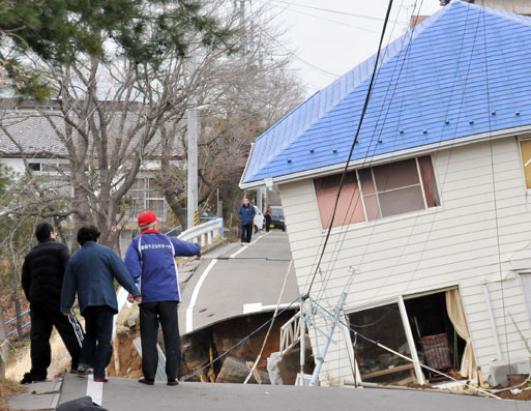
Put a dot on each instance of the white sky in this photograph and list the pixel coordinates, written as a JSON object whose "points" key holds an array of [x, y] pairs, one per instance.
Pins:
{"points": [[326, 44]]}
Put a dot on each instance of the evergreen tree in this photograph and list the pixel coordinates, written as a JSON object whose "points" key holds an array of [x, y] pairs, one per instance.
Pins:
{"points": [[60, 31]]}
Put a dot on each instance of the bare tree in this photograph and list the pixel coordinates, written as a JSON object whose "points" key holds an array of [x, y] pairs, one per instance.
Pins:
{"points": [[113, 111], [240, 96]]}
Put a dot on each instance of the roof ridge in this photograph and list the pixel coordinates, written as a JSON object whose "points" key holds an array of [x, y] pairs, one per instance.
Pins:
{"points": [[508, 15]]}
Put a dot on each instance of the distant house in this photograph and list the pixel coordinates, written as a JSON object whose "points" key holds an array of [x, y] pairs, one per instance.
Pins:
{"points": [[35, 143], [433, 226]]}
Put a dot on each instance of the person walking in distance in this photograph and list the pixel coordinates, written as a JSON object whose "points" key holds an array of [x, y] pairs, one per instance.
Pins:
{"points": [[246, 213], [42, 278], [268, 215], [150, 260], [90, 273]]}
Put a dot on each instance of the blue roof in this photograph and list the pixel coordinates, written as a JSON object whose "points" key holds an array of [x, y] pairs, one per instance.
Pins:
{"points": [[464, 71]]}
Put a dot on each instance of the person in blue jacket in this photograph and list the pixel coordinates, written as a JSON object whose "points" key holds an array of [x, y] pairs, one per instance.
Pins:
{"points": [[246, 212], [90, 273], [150, 260]]}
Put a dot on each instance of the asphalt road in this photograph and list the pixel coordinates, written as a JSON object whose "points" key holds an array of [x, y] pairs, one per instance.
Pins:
{"points": [[129, 395], [237, 280]]}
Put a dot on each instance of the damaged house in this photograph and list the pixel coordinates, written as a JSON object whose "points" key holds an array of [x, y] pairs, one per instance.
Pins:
{"points": [[431, 237]]}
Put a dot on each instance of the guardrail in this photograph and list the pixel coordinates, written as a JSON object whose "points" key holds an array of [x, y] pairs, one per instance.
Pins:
{"points": [[205, 233], [18, 327]]}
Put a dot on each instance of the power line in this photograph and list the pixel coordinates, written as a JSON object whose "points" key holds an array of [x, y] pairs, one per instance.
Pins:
{"points": [[354, 142], [339, 244], [293, 54], [332, 11], [289, 8]]}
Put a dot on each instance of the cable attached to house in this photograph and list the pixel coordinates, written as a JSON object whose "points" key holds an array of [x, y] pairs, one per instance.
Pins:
{"points": [[405, 357], [239, 343], [355, 141]]}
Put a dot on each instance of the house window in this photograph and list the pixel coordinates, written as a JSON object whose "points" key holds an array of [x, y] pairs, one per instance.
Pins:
{"points": [[525, 146], [34, 166], [386, 190], [383, 324], [349, 207], [145, 195], [398, 187]]}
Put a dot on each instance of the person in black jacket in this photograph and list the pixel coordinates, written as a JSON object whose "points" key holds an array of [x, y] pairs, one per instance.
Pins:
{"points": [[42, 281]]}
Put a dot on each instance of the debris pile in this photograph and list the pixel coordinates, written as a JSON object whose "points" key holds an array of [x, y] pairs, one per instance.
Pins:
{"points": [[215, 354], [126, 361]]}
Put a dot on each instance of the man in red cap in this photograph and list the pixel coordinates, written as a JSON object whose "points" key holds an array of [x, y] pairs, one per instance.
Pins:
{"points": [[150, 260]]}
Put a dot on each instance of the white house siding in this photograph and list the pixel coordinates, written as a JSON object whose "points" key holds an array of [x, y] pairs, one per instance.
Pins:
{"points": [[455, 244]]}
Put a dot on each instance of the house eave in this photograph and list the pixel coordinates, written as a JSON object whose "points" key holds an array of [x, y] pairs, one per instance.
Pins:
{"points": [[244, 185], [385, 158], [33, 155]]}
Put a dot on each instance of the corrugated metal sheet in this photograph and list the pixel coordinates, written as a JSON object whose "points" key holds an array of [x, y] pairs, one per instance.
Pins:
{"points": [[464, 71]]}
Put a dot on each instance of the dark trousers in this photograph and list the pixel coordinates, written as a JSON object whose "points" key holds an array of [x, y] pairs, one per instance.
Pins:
{"points": [[43, 318], [267, 222], [165, 313], [247, 232], [97, 346]]}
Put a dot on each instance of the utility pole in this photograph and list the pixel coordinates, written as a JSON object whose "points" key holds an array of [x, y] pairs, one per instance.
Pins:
{"points": [[243, 44], [192, 213]]}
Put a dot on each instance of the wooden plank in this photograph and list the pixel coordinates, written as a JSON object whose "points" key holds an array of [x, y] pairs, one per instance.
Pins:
{"points": [[387, 371]]}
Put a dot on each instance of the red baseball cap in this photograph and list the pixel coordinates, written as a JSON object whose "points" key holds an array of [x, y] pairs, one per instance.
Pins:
{"points": [[146, 219]]}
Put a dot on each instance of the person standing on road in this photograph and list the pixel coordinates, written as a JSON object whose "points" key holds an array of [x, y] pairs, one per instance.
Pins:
{"points": [[268, 215], [150, 260], [91, 273], [42, 278], [246, 213]]}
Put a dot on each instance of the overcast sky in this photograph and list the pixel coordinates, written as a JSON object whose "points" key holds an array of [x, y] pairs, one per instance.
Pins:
{"points": [[329, 37]]}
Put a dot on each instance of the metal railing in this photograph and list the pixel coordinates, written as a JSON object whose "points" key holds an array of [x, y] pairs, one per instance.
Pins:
{"points": [[205, 233], [16, 327], [290, 333]]}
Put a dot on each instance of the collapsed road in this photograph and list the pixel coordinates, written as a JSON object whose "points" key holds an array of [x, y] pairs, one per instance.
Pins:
{"points": [[238, 280], [226, 295]]}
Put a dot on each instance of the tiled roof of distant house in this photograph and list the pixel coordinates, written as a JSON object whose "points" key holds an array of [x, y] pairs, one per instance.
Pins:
{"points": [[31, 134]]}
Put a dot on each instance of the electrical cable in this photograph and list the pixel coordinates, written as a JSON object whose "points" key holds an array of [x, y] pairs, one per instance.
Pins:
{"points": [[449, 104], [364, 110], [345, 230], [439, 185], [293, 54], [494, 195], [277, 306], [321, 18], [199, 370], [400, 355], [333, 11]]}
